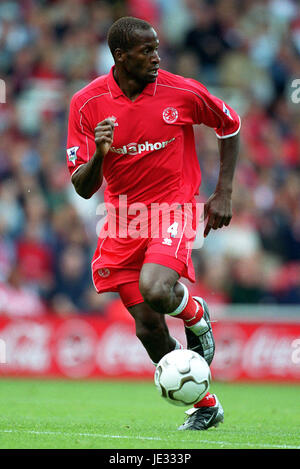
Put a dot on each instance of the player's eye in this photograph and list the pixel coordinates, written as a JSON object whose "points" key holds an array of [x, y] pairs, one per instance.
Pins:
{"points": [[150, 50]]}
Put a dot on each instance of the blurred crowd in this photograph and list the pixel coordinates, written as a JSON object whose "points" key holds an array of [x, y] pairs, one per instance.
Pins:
{"points": [[246, 52]]}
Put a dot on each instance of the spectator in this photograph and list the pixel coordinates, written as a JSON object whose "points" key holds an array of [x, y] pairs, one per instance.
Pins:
{"points": [[17, 300], [72, 281]]}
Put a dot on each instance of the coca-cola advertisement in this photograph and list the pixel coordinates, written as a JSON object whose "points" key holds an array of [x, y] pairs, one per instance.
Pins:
{"points": [[258, 351], [93, 347]]}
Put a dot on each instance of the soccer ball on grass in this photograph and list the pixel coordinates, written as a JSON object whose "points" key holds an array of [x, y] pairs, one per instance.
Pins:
{"points": [[182, 377]]}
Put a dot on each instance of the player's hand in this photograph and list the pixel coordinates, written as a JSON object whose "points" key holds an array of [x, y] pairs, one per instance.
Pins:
{"points": [[104, 135], [217, 211]]}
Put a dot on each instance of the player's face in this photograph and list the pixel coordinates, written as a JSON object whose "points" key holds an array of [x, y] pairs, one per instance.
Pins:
{"points": [[142, 60]]}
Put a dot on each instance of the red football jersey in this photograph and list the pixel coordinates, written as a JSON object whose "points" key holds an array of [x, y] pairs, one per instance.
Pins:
{"points": [[153, 156]]}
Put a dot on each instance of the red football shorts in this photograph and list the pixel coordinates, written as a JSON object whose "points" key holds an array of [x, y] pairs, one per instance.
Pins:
{"points": [[166, 240]]}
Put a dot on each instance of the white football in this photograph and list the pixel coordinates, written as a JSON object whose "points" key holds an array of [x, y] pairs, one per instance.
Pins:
{"points": [[182, 377]]}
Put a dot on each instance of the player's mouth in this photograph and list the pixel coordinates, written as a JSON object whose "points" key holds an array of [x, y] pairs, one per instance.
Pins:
{"points": [[154, 71]]}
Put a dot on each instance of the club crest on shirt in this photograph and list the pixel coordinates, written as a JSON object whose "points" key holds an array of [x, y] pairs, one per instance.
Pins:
{"points": [[104, 272], [170, 115], [72, 154]]}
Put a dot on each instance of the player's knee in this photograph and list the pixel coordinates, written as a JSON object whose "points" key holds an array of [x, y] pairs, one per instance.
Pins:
{"points": [[155, 293]]}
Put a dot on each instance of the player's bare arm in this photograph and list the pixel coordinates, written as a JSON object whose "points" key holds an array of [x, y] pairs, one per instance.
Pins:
{"points": [[218, 208], [89, 177]]}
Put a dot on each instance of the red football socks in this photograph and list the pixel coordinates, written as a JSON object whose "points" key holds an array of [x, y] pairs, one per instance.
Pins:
{"points": [[189, 310], [208, 400]]}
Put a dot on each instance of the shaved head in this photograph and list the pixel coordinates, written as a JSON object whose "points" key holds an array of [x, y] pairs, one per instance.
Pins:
{"points": [[123, 33]]}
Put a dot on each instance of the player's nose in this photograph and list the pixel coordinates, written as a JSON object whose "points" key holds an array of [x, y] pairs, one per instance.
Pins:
{"points": [[155, 58]]}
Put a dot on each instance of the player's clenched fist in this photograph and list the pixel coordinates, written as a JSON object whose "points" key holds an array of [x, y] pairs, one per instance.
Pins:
{"points": [[104, 135]]}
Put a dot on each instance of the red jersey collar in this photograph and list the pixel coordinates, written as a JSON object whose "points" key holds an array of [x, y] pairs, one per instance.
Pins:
{"points": [[116, 91]]}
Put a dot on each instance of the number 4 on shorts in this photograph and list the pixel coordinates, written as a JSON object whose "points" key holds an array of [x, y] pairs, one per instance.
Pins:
{"points": [[173, 229]]}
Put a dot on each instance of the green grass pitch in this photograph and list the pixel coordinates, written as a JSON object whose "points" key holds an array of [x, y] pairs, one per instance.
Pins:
{"points": [[119, 415]]}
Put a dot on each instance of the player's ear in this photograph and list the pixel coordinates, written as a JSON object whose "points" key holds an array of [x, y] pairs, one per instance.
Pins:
{"points": [[119, 55]]}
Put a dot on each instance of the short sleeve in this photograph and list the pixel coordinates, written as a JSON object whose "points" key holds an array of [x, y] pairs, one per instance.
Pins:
{"points": [[80, 143], [215, 113]]}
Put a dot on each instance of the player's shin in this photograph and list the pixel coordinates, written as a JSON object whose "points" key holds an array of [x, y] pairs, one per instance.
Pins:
{"points": [[178, 346]]}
